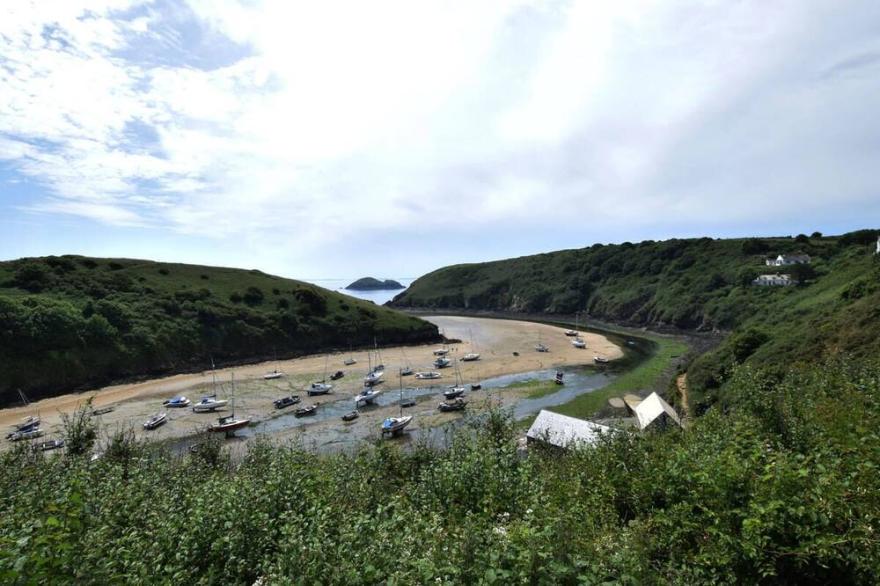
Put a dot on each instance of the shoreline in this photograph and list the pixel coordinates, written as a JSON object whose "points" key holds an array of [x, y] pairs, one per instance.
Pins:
{"points": [[496, 341]]}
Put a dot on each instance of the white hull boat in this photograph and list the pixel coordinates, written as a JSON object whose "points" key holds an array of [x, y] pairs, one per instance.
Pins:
{"points": [[395, 425], [470, 357], [209, 404], [156, 420], [427, 375]]}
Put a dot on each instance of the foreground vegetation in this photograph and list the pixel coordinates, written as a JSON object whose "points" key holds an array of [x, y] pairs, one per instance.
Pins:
{"points": [[698, 284], [782, 487], [69, 322]]}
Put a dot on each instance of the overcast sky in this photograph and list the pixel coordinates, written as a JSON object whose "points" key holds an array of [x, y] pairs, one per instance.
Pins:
{"points": [[341, 139]]}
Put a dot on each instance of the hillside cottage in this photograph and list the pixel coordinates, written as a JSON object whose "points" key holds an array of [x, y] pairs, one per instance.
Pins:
{"points": [[562, 431], [654, 412], [788, 259], [776, 280]]}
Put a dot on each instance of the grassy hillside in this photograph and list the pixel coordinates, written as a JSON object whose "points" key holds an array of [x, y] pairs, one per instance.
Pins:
{"points": [[782, 489], [70, 322], [699, 284]]}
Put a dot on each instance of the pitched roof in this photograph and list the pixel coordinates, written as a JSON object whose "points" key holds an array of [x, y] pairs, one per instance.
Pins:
{"points": [[563, 431], [652, 408]]}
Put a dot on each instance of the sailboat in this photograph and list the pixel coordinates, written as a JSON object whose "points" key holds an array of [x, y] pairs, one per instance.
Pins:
{"points": [[457, 389], [322, 387], [394, 426], [30, 422], [374, 376], [350, 360], [230, 423], [275, 374], [578, 342], [210, 403], [472, 355], [407, 369]]}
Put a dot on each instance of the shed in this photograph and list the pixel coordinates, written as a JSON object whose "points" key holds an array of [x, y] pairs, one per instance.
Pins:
{"points": [[654, 411], [563, 431]]}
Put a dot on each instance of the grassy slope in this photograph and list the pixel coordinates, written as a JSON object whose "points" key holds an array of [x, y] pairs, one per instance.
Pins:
{"points": [[689, 284], [68, 322], [780, 490]]}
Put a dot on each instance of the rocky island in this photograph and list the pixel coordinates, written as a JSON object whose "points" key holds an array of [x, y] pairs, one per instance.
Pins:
{"points": [[371, 284]]}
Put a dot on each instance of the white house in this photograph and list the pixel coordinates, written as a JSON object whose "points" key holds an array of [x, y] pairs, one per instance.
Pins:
{"points": [[788, 259], [563, 431], [776, 280], [654, 411], [877, 251]]}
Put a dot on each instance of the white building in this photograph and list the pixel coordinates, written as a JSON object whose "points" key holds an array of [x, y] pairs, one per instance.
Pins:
{"points": [[776, 280], [563, 431], [654, 411], [788, 259]]}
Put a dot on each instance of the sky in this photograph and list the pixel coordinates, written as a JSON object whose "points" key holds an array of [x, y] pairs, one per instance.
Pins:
{"points": [[390, 138]]}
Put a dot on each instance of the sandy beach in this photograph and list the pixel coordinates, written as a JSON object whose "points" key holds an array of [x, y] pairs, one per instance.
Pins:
{"points": [[495, 340]]}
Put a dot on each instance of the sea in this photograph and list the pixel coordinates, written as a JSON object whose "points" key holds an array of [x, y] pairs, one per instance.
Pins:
{"points": [[377, 297]]}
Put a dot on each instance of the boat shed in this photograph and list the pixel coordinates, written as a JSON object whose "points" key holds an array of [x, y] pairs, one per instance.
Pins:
{"points": [[563, 431], [655, 412]]}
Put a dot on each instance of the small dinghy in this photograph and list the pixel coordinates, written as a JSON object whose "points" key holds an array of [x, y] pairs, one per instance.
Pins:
{"points": [[286, 402], [156, 420], [441, 351], [570, 333], [176, 402], [457, 405], [442, 362], [305, 411], [559, 375], [427, 375], [349, 361], [351, 415], [406, 371], [102, 411], [52, 444], [209, 404], [541, 348], [337, 375], [394, 425], [453, 393], [600, 360], [476, 386], [579, 343], [470, 357], [275, 374]]}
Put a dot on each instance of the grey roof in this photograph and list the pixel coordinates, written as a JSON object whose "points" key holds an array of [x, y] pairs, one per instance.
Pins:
{"points": [[563, 431]]}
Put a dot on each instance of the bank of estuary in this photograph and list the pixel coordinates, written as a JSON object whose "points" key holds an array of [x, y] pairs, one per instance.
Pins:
{"points": [[506, 351]]}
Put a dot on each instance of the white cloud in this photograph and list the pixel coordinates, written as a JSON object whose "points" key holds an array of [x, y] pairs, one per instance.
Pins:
{"points": [[298, 124]]}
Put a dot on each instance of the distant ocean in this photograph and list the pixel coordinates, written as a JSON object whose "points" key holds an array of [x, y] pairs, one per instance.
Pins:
{"points": [[377, 297]]}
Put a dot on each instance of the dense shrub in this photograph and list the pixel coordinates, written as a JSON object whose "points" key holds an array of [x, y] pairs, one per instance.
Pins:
{"points": [[782, 489]]}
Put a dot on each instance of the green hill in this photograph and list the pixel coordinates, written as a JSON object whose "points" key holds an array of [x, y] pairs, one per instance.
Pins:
{"points": [[697, 284], [72, 322]]}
